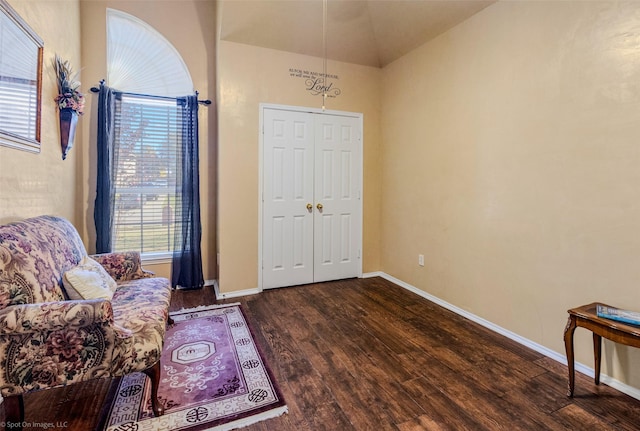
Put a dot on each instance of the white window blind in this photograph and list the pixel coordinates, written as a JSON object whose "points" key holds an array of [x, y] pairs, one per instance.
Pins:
{"points": [[18, 106], [141, 60], [18, 80], [147, 153]]}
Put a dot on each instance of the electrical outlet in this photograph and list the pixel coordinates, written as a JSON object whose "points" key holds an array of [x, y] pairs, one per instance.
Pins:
{"points": [[421, 259]]}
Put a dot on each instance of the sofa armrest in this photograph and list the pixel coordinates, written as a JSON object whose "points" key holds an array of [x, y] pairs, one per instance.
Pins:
{"points": [[51, 344], [53, 316], [123, 266]]}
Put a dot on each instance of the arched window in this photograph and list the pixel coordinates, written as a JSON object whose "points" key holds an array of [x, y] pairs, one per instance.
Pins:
{"points": [[141, 60], [151, 81]]}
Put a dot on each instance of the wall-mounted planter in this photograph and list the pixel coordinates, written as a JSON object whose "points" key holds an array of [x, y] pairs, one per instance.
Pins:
{"points": [[68, 122], [70, 102]]}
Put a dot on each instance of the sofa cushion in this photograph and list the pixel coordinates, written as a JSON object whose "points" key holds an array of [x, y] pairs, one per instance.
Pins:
{"points": [[88, 280], [140, 306], [34, 254], [122, 266]]}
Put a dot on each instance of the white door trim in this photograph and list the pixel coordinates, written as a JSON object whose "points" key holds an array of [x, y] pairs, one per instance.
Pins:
{"points": [[262, 107]]}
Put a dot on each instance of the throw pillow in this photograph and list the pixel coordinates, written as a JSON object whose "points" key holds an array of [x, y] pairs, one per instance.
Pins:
{"points": [[88, 280]]}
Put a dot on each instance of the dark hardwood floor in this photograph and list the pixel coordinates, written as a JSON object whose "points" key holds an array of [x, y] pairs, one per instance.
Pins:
{"points": [[369, 355]]}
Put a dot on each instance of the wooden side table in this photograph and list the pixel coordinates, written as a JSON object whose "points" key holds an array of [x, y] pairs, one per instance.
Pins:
{"points": [[613, 330]]}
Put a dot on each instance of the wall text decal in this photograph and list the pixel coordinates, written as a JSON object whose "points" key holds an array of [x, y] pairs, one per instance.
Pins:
{"points": [[315, 82]]}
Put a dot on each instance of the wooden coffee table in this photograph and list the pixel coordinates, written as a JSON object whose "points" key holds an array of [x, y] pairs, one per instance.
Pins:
{"points": [[613, 330]]}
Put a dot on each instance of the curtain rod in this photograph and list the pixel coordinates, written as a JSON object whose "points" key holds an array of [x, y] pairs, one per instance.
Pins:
{"points": [[151, 96]]}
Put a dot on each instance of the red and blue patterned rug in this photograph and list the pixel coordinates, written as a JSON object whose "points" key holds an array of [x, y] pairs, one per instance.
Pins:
{"points": [[213, 378]]}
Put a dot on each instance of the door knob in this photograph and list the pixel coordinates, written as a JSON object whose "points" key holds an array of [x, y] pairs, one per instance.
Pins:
{"points": [[319, 206], [309, 207]]}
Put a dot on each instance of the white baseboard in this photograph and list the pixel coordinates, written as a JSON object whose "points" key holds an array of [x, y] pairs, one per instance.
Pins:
{"points": [[235, 294], [622, 387]]}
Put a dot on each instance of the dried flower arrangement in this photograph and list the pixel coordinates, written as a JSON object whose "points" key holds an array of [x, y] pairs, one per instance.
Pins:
{"points": [[69, 95]]}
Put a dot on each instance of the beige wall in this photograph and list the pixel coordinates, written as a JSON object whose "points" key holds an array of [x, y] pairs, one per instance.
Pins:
{"points": [[249, 76], [189, 25], [35, 184], [511, 161], [505, 151]]}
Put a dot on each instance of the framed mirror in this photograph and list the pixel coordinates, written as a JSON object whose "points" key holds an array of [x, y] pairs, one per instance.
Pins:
{"points": [[20, 82]]}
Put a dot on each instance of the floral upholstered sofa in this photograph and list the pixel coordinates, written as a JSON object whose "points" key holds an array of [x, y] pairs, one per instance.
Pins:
{"points": [[48, 339]]}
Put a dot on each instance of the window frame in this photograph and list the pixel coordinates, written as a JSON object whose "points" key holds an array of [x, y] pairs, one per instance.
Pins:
{"points": [[8, 138]]}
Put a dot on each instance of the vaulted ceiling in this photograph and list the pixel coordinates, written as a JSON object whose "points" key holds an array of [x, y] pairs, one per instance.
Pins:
{"points": [[368, 32]]}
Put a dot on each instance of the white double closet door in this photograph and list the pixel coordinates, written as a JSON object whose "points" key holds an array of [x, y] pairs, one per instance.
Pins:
{"points": [[311, 197]]}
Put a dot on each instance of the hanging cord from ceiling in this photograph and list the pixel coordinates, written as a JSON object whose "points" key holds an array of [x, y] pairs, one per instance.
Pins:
{"points": [[324, 49]]}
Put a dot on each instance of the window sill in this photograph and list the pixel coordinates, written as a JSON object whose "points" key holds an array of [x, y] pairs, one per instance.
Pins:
{"points": [[156, 258]]}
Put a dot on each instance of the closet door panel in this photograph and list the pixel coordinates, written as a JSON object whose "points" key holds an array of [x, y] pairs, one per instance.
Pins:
{"points": [[287, 240], [337, 192]]}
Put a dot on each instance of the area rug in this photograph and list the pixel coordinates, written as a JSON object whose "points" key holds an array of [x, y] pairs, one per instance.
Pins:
{"points": [[213, 378]]}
